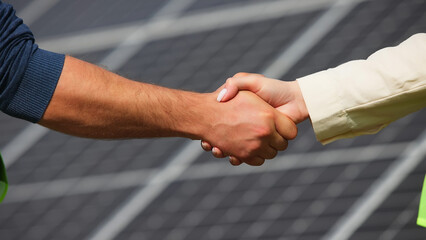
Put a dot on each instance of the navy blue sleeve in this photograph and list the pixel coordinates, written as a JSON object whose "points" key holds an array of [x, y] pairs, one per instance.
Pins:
{"points": [[28, 75]]}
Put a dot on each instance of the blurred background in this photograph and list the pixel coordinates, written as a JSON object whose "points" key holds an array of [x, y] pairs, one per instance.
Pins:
{"points": [[64, 187]]}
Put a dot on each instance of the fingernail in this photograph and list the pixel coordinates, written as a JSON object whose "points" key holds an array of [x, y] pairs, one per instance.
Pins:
{"points": [[232, 161], [215, 150], [204, 145], [221, 94]]}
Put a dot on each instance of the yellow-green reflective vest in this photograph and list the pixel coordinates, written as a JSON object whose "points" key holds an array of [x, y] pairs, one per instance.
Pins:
{"points": [[421, 219], [3, 180]]}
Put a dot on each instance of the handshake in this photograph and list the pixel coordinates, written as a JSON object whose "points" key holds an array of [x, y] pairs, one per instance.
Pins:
{"points": [[260, 117], [251, 117]]}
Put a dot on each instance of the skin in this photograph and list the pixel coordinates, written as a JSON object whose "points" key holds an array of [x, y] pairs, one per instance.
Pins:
{"points": [[92, 102], [284, 96]]}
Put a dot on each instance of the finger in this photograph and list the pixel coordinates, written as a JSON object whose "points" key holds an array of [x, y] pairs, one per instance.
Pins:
{"points": [[245, 74], [235, 84], [278, 142], [285, 127], [267, 152], [206, 146], [218, 153], [241, 74], [255, 161], [235, 161]]}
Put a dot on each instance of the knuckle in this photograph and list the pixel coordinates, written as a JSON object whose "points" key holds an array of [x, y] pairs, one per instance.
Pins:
{"points": [[271, 155], [252, 80], [244, 156], [282, 144], [256, 162], [264, 131], [269, 114], [256, 145], [230, 81], [241, 74], [257, 75]]}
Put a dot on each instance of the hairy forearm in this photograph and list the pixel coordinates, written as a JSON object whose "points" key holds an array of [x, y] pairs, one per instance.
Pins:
{"points": [[92, 102]]}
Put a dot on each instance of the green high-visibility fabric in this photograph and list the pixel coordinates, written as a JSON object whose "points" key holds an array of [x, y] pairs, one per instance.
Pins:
{"points": [[421, 219], [3, 180]]}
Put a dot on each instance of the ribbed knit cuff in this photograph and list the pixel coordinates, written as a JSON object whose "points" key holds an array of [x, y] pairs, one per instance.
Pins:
{"points": [[37, 86]]}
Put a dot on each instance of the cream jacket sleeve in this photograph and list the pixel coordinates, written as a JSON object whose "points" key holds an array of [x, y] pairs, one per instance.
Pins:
{"points": [[364, 96]]}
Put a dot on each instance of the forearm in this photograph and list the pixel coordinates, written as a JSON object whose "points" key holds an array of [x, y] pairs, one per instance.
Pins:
{"points": [[92, 102], [361, 97]]}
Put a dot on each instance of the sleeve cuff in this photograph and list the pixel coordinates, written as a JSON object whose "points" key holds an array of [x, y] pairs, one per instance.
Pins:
{"points": [[322, 97], [37, 86]]}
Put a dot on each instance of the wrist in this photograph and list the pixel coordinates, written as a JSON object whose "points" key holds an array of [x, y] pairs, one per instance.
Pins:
{"points": [[194, 121], [300, 101]]}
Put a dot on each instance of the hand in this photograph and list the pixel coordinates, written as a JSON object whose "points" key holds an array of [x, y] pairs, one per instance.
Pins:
{"points": [[286, 97], [248, 128]]}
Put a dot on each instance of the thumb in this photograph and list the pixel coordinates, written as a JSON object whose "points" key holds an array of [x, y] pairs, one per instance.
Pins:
{"points": [[235, 84], [228, 92]]}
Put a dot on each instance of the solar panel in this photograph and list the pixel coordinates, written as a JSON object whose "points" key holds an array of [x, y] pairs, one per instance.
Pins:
{"points": [[65, 187]]}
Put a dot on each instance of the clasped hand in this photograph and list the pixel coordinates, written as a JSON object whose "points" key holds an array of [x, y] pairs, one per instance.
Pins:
{"points": [[262, 127]]}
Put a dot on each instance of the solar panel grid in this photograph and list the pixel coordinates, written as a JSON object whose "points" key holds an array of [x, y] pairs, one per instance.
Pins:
{"points": [[9, 128], [298, 197], [403, 225], [215, 55], [403, 130], [17, 4], [94, 57], [68, 217], [78, 157], [406, 129], [209, 4], [295, 203], [369, 27], [37, 157], [396, 217], [48, 159], [361, 184], [82, 15]]}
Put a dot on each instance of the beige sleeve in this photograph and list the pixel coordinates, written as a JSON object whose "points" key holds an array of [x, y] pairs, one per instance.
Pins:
{"points": [[363, 96]]}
